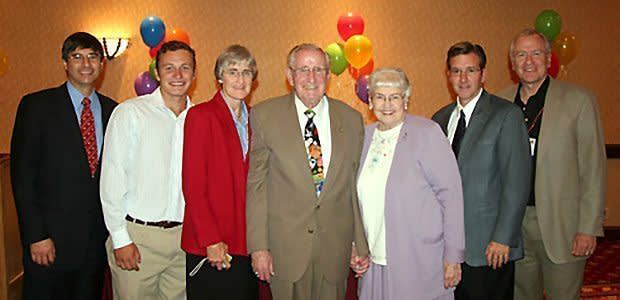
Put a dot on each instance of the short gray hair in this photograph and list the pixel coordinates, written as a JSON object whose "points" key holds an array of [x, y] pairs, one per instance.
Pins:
{"points": [[528, 32], [290, 59], [389, 77], [234, 55]]}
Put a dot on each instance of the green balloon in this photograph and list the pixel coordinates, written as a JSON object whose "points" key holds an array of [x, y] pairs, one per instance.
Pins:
{"points": [[337, 62], [549, 23], [152, 67]]}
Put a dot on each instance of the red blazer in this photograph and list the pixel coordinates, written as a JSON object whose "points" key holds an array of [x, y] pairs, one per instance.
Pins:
{"points": [[214, 180]]}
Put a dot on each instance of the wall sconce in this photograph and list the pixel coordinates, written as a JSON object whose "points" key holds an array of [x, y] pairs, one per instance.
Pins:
{"points": [[113, 47]]}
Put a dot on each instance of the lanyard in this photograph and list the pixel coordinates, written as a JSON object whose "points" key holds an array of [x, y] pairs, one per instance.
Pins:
{"points": [[535, 120]]}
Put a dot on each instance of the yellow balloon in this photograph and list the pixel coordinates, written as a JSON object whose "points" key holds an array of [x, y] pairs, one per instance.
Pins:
{"points": [[566, 47], [4, 62], [358, 50]]}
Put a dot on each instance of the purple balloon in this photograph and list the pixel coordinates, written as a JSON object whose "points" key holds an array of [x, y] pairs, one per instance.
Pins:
{"points": [[361, 88], [144, 84]]}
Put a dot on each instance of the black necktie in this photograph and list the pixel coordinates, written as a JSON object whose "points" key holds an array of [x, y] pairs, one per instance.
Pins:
{"points": [[458, 134]]}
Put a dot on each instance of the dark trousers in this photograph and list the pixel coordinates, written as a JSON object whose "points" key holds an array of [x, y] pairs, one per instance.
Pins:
{"points": [[484, 283], [41, 283], [238, 282]]}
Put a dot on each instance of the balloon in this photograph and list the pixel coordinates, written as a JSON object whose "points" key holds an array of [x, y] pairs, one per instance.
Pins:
{"points": [[549, 23], [361, 88], [152, 71], [365, 70], [349, 25], [4, 63], [566, 47], [144, 84], [152, 30], [177, 34], [554, 68], [153, 51], [337, 62], [358, 51]]}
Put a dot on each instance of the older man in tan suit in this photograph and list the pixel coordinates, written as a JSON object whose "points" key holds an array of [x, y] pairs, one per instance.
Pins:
{"points": [[565, 211], [302, 211]]}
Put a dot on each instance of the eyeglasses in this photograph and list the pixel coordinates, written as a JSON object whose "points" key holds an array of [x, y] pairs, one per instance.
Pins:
{"points": [[246, 74], [305, 71], [384, 98], [78, 57], [521, 55], [470, 71]]}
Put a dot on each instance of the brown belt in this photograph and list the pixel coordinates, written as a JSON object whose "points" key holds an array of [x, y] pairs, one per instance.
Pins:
{"points": [[162, 224]]}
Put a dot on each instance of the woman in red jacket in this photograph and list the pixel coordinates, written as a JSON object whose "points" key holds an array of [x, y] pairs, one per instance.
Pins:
{"points": [[215, 167]]}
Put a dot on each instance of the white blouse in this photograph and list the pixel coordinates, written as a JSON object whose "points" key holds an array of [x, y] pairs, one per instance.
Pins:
{"points": [[371, 189]]}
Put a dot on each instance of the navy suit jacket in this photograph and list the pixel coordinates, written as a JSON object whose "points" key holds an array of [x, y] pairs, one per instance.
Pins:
{"points": [[55, 195]]}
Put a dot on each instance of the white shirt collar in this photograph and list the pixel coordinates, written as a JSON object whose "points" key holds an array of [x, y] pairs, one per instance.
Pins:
{"points": [[468, 109], [319, 109], [158, 100]]}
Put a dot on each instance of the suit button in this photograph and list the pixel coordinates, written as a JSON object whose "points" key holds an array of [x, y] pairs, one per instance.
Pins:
{"points": [[310, 230], [318, 206]]}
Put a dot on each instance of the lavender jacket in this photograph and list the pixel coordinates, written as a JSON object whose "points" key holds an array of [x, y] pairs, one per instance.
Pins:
{"points": [[423, 210]]}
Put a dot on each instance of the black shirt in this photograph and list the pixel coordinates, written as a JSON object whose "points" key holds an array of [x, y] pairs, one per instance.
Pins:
{"points": [[532, 116]]}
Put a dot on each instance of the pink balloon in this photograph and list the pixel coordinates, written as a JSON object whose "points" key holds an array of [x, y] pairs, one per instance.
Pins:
{"points": [[350, 24], [365, 70]]}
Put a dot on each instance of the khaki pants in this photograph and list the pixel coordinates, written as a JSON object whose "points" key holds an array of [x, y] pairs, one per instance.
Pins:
{"points": [[162, 268], [311, 286], [536, 272]]}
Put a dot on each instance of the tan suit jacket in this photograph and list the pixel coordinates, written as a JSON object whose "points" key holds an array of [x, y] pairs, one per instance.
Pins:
{"points": [[284, 214], [571, 168]]}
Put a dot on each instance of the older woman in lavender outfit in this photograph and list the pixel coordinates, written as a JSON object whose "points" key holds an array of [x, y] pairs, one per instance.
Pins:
{"points": [[411, 200]]}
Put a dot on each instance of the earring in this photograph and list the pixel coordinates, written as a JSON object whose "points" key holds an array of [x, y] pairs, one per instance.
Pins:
{"points": [[220, 81]]}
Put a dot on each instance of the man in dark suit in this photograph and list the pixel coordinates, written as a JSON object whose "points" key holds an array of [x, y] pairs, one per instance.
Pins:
{"points": [[55, 149], [491, 145]]}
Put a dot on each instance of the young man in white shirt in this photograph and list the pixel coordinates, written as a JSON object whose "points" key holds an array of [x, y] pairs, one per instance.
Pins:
{"points": [[141, 191]]}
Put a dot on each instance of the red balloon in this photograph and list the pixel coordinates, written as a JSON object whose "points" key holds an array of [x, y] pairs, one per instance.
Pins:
{"points": [[350, 24], [365, 70], [153, 51], [554, 68], [177, 34]]}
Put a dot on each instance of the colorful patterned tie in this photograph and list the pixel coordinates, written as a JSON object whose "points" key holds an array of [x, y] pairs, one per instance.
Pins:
{"points": [[315, 157], [87, 127]]}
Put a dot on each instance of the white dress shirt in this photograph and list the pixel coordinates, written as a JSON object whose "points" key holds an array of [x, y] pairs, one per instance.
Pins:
{"points": [[467, 110], [141, 165], [371, 186], [321, 121]]}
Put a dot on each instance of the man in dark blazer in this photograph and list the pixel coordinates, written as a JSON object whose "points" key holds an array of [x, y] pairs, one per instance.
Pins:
{"points": [[55, 178], [491, 145]]}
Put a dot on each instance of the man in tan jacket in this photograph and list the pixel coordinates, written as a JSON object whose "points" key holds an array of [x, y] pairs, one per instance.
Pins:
{"points": [[302, 211], [565, 211]]}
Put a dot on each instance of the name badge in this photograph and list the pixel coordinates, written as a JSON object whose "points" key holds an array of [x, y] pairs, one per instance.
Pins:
{"points": [[532, 146]]}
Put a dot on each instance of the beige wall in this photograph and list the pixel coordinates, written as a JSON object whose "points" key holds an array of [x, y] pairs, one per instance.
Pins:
{"points": [[612, 206], [411, 34]]}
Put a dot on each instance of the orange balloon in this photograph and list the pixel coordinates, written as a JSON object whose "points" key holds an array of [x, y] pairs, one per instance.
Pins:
{"points": [[358, 50], [4, 62], [566, 47], [177, 34]]}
